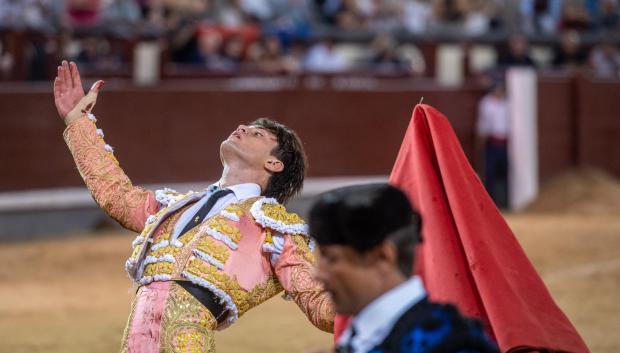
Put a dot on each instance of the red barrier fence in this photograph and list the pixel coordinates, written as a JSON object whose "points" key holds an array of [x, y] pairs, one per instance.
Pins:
{"points": [[350, 126]]}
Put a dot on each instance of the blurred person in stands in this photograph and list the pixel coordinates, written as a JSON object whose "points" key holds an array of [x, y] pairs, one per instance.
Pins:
{"points": [[605, 60], [367, 237], [271, 58], [41, 15], [83, 13], [384, 57], [610, 16], [493, 127], [540, 16], [38, 15], [416, 15], [380, 15], [477, 17], [446, 17], [328, 11], [517, 53], [323, 58], [234, 52], [96, 53], [575, 16], [569, 54], [210, 50], [122, 17], [202, 259], [293, 58]]}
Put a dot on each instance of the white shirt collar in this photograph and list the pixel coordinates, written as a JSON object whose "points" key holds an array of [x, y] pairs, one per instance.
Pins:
{"points": [[245, 191], [241, 191], [375, 321]]}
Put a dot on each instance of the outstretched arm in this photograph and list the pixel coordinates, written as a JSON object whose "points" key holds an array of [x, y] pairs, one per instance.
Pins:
{"points": [[108, 184], [295, 271]]}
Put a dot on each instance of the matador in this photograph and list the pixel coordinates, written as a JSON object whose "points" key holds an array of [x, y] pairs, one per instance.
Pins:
{"points": [[202, 259]]}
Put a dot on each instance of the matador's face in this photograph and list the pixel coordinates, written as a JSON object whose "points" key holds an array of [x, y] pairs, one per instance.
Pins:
{"points": [[252, 146]]}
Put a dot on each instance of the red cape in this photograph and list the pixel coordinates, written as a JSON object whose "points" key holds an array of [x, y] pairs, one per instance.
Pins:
{"points": [[469, 256]]}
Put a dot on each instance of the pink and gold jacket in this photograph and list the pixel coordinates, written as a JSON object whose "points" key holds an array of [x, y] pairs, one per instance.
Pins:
{"points": [[248, 253]]}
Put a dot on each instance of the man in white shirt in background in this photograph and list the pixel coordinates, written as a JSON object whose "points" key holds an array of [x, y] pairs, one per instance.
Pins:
{"points": [[367, 236], [493, 128]]}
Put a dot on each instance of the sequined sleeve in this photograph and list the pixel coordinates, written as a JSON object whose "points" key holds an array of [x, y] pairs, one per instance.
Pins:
{"points": [[108, 184], [294, 269]]}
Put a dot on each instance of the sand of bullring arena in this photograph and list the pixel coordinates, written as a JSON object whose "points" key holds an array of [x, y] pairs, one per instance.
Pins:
{"points": [[72, 295]]}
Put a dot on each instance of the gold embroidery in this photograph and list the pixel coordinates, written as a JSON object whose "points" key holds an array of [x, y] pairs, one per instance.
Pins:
{"points": [[302, 249], [220, 224], [268, 237], [159, 268], [263, 292], [312, 299], [108, 184], [279, 213], [235, 209], [172, 250], [217, 250], [186, 325], [201, 269], [243, 299]]}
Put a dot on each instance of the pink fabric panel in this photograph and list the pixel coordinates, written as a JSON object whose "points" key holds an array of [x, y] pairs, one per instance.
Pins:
{"points": [[146, 324], [248, 265]]}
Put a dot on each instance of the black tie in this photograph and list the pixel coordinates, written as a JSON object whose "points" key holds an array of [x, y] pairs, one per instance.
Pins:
{"points": [[204, 210]]}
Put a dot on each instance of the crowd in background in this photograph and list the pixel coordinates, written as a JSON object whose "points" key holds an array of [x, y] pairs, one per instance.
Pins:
{"points": [[281, 36]]}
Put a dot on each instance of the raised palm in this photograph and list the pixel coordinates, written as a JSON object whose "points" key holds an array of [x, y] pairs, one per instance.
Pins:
{"points": [[68, 89]]}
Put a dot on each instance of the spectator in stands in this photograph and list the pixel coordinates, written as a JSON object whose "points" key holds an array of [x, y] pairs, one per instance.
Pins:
{"points": [[42, 15], [96, 54], [446, 17], [322, 57], [575, 16], [381, 15], [416, 15], [6, 61], [517, 53], [610, 16], [233, 53], [569, 54], [292, 62], [477, 16], [540, 16], [83, 13], [210, 50], [328, 11], [384, 57], [271, 59], [493, 127], [605, 60], [121, 16], [350, 16]]}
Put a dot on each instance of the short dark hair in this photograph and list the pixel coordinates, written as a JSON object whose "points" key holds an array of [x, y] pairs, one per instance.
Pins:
{"points": [[290, 151], [364, 216]]}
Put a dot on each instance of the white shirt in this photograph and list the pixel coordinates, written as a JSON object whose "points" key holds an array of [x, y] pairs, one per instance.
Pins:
{"points": [[376, 320], [240, 192], [493, 117]]}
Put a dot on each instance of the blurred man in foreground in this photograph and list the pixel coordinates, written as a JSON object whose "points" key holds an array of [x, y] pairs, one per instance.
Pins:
{"points": [[367, 236], [204, 258]]}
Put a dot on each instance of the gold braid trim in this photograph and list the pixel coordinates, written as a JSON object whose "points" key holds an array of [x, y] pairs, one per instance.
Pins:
{"points": [[186, 325], [309, 293], [244, 300], [108, 184]]}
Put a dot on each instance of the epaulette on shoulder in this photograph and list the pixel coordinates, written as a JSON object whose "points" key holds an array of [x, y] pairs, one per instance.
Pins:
{"points": [[269, 213], [168, 196]]}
